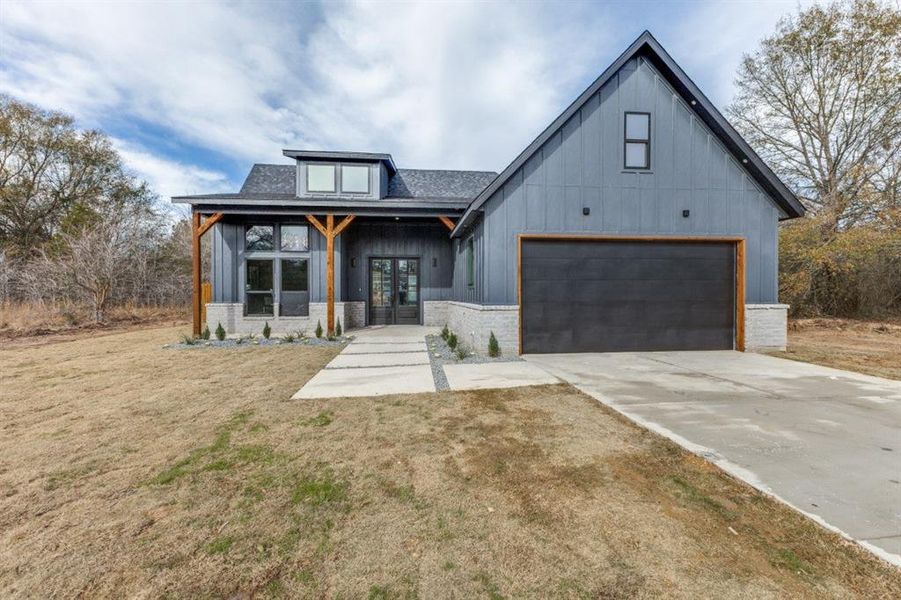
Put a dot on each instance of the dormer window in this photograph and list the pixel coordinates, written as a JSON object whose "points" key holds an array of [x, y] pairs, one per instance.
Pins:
{"points": [[355, 179], [637, 150], [320, 178]]}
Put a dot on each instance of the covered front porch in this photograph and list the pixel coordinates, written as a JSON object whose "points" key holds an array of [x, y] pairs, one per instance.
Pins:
{"points": [[295, 270]]}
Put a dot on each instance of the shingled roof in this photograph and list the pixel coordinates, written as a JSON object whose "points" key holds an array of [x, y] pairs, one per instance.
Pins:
{"points": [[406, 183], [423, 183]]}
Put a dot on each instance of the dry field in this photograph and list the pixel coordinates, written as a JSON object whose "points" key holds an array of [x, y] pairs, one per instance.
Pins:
{"points": [[130, 470], [867, 347]]}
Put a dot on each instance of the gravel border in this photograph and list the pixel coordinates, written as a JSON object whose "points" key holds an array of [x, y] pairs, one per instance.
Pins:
{"points": [[250, 341], [440, 354]]}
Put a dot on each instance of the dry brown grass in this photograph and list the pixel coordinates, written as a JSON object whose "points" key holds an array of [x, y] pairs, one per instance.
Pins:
{"points": [[25, 320], [130, 470], [871, 347]]}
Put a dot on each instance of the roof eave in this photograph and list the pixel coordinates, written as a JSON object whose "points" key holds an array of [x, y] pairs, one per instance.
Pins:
{"points": [[354, 156]]}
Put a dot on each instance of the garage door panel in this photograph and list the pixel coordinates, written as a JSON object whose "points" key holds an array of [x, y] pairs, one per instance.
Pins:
{"points": [[595, 296]]}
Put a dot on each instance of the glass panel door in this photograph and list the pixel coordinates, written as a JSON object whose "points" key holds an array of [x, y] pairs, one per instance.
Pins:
{"points": [[407, 291], [381, 291]]}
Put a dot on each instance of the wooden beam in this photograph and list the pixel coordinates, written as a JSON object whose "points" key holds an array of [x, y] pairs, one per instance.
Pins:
{"points": [[447, 223], [195, 269], [740, 295], [212, 220], [318, 225], [343, 224], [330, 273]]}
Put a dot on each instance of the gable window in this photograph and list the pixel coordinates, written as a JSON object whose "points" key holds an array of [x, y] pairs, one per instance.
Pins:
{"points": [[637, 149], [470, 263], [355, 179], [320, 178], [295, 238], [259, 238]]}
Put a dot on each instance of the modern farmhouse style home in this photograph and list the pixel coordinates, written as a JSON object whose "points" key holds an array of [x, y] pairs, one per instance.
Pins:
{"points": [[638, 220]]}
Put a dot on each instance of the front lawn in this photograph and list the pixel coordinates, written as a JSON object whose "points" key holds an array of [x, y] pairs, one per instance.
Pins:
{"points": [[130, 470]]}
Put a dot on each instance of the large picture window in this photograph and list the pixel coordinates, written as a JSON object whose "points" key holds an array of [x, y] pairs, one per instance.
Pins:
{"points": [[259, 287], [638, 140], [295, 294], [320, 178], [355, 179]]}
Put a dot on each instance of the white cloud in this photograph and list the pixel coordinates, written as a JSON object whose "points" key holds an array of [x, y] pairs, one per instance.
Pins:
{"points": [[437, 84], [170, 178]]}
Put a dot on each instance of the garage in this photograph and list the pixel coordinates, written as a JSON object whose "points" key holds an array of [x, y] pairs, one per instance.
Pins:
{"points": [[603, 294]]}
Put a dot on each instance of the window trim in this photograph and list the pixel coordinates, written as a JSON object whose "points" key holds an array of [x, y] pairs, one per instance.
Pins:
{"points": [[334, 167], [368, 178], [470, 258], [627, 140]]}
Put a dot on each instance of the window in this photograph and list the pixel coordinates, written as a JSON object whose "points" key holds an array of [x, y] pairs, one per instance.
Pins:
{"points": [[258, 287], [320, 178], [638, 140], [295, 238], [259, 238], [470, 263], [355, 179], [294, 300]]}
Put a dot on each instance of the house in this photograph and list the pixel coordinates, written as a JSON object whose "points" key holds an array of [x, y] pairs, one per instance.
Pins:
{"points": [[638, 220]]}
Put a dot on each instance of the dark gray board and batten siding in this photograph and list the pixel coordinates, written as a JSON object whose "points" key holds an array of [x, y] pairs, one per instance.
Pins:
{"points": [[581, 165]]}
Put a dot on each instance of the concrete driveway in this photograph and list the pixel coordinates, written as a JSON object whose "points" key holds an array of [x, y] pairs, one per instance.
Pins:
{"points": [[826, 441]]}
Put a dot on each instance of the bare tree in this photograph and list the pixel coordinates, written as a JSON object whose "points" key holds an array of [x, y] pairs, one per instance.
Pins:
{"points": [[821, 101]]}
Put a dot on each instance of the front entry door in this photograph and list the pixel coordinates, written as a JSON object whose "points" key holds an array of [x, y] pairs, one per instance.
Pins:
{"points": [[394, 291]]}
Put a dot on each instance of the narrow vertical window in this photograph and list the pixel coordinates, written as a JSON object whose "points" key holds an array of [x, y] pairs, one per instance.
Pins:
{"points": [[637, 146], [470, 263], [258, 287]]}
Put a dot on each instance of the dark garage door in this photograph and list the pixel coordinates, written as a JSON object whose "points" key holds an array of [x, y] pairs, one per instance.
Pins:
{"points": [[619, 296]]}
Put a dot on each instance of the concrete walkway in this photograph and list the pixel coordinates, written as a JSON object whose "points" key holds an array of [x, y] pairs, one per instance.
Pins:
{"points": [[826, 441], [379, 361]]}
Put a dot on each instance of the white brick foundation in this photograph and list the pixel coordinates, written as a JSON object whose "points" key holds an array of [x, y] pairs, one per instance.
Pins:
{"points": [[231, 315], [435, 313], [473, 324], [766, 326]]}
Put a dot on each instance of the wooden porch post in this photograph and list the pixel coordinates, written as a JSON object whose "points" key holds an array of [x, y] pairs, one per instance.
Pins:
{"points": [[330, 232], [195, 269], [197, 231]]}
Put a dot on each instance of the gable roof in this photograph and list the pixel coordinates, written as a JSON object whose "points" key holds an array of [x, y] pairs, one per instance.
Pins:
{"points": [[648, 47], [271, 179], [418, 183]]}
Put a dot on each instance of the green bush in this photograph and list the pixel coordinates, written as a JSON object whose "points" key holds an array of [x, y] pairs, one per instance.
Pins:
{"points": [[220, 332], [338, 327], [494, 350], [318, 329], [188, 340], [205, 334], [444, 333], [267, 331], [452, 340], [461, 353], [289, 338]]}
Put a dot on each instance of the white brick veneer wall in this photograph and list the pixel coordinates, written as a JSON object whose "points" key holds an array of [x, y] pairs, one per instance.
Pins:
{"points": [[473, 324], [766, 326], [435, 313], [231, 315]]}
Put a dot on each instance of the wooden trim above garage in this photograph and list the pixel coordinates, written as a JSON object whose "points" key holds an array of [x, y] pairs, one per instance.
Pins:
{"points": [[579, 237]]}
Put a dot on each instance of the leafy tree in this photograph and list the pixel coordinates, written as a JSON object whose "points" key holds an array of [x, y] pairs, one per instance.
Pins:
{"points": [[820, 100]]}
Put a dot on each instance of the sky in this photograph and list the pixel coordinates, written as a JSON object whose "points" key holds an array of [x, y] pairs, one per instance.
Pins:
{"points": [[193, 93]]}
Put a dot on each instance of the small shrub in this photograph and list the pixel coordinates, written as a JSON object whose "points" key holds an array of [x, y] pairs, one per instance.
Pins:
{"points": [[452, 340], [318, 329], [494, 350], [444, 333], [220, 332], [188, 340], [288, 338], [267, 331], [205, 334], [461, 353], [338, 327]]}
